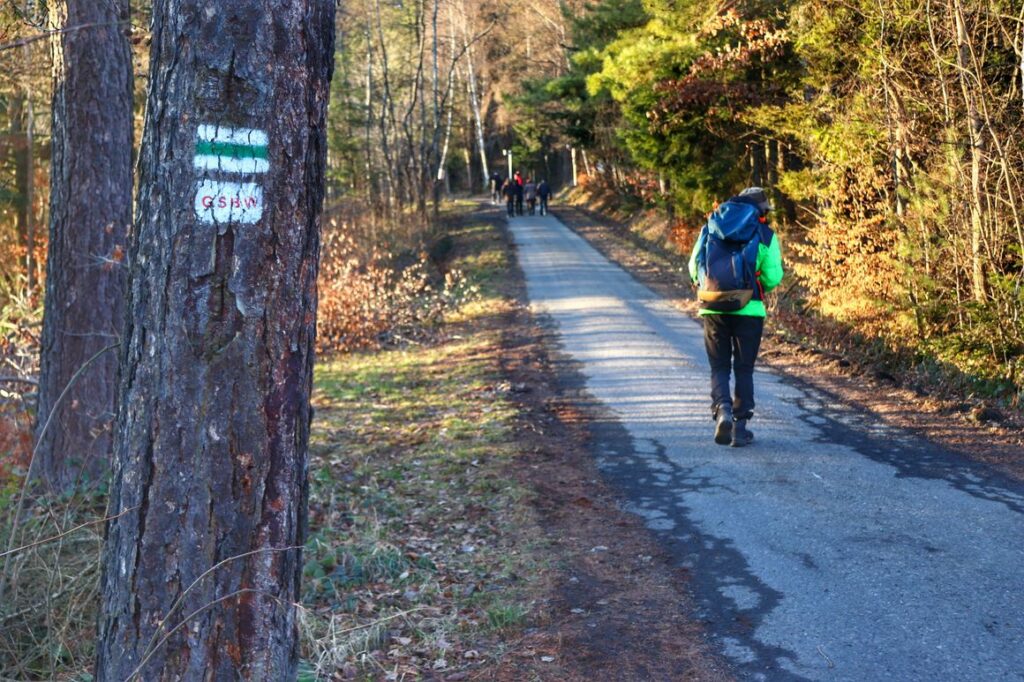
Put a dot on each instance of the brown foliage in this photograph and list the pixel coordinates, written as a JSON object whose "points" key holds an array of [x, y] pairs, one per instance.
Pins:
{"points": [[369, 299], [708, 83], [15, 440]]}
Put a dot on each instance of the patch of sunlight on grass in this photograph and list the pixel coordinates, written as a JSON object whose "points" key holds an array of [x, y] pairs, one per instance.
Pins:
{"points": [[474, 310]]}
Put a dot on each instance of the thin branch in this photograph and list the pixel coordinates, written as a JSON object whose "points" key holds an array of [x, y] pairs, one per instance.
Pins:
{"points": [[18, 380], [47, 600], [22, 42], [64, 534], [456, 57]]}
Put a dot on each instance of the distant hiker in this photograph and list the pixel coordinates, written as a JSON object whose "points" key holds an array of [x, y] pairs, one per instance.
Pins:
{"points": [[530, 192], [735, 261], [543, 193], [518, 185], [509, 190], [518, 178], [496, 186]]}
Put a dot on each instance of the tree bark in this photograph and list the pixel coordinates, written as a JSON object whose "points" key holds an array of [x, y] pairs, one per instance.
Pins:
{"points": [[30, 160], [757, 164], [29, 196], [202, 561], [21, 153], [90, 213], [474, 103], [388, 121], [976, 140], [371, 183]]}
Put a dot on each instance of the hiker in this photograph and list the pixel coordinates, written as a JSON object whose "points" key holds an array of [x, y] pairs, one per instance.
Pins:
{"points": [[518, 186], [519, 178], [530, 192], [496, 186], [735, 261], [509, 190], [543, 193]]}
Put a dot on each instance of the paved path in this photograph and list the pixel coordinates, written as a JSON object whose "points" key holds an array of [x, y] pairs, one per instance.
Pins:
{"points": [[834, 548]]}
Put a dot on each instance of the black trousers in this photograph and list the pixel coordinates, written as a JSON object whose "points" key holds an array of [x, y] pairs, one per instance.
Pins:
{"points": [[519, 204], [732, 342], [543, 205], [511, 206]]}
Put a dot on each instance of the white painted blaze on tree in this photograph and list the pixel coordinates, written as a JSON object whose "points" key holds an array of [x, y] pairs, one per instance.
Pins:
{"points": [[231, 150], [229, 202]]}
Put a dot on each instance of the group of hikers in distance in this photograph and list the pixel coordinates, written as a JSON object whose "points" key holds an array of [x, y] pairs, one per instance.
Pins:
{"points": [[516, 191]]}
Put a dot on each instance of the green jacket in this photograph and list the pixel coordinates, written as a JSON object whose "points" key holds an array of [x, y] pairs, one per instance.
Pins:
{"points": [[769, 271]]}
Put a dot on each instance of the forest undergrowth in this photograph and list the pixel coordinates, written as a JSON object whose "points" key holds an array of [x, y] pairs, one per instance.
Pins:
{"points": [[418, 564]]}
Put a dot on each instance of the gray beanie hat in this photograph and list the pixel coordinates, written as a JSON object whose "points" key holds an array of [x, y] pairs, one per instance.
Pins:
{"points": [[757, 195]]}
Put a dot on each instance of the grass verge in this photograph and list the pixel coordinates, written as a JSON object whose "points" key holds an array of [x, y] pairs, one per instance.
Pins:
{"points": [[419, 558]]}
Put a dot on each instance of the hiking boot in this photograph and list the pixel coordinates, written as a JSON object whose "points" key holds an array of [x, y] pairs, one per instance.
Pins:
{"points": [[740, 434], [723, 427]]}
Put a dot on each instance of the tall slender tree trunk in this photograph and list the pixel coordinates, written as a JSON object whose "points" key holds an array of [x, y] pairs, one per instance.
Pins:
{"points": [[371, 184], [757, 164], [90, 213], [474, 104], [16, 114], [208, 501], [446, 142], [420, 151], [396, 191], [976, 138], [30, 187], [437, 157]]}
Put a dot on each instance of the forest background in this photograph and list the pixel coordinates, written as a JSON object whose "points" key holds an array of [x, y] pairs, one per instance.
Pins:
{"points": [[886, 131]]}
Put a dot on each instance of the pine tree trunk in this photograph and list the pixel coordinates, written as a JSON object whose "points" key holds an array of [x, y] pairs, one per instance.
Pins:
{"points": [[29, 191], [203, 556], [16, 115], [757, 164], [90, 212]]}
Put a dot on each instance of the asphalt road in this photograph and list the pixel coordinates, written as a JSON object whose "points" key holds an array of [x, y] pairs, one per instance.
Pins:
{"points": [[834, 548]]}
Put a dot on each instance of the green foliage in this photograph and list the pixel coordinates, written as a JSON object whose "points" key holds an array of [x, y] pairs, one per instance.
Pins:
{"points": [[667, 84], [885, 179], [563, 106]]}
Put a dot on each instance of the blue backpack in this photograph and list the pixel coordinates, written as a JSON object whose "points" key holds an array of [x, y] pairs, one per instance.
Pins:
{"points": [[727, 259]]}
